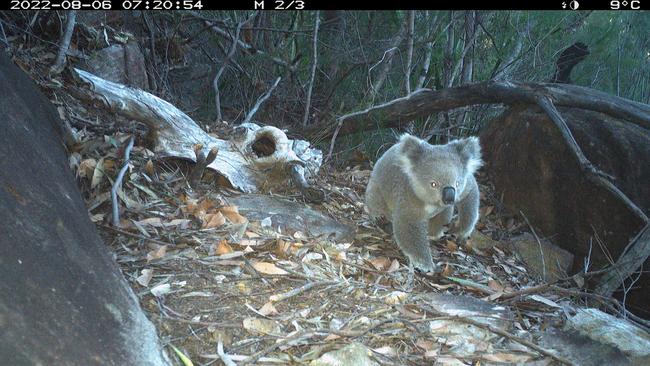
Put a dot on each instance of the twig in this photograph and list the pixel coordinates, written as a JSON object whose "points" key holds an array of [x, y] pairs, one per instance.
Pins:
{"points": [[137, 236], [225, 358], [526, 291], [474, 285], [118, 182], [245, 46], [314, 63], [333, 140], [202, 162], [299, 290], [633, 257], [226, 60], [4, 35], [409, 52], [260, 100], [65, 43], [256, 356], [539, 243], [309, 193]]}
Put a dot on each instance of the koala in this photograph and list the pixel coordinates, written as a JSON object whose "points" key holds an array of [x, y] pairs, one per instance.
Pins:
{"points": [[416, 186]]}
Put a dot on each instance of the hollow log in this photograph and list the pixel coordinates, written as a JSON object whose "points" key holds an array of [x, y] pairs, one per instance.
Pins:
{"points": [[249, 160]]}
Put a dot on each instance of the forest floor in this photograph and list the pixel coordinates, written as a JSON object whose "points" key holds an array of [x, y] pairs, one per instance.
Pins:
{"points": [[222, 288]]}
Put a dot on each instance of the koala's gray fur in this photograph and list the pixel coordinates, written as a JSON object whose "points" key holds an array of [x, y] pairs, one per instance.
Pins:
{"points": [[400, 190]]}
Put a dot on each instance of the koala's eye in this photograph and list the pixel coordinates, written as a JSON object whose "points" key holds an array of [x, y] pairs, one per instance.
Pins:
{"points": [[457, 183], [434, 184]]}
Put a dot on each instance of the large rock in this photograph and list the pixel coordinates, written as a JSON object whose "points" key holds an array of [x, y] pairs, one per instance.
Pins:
{"points": [[120, 63], [543, 258], [290, 216], [64, 300], [534, 171]]}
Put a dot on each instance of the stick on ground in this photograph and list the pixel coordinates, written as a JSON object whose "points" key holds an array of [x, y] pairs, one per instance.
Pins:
{"points": [[118, 182]]}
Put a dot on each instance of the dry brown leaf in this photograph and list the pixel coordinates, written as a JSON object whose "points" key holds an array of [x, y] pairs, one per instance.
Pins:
{"points": [[109, 166], [380, 263], [151, 221], [507, 358], [268, 309], [495, 296], [342, 256], [145, 277], [268, 268], [447, 271], [396, 297], [425, 344], [181, 223], [394, 266], [434, 353], [212, 220], [251, 235], [232, 214], [282, 248], [148, 168], [496, 286], [221, 248], [86, 168], [98, 173], [332, 337], [261, 326], [157, 253], [244, 288], [452, 246]]}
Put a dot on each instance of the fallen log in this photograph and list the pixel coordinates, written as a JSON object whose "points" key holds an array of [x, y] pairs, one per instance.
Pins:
{"points": [[255, 159]]}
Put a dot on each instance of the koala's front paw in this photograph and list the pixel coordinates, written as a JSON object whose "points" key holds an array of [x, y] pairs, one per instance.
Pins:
{"points": [[424, 265]]}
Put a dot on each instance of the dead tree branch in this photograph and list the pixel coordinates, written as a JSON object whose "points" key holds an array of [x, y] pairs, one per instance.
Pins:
{"points": [[632, 259], [314, 63], [386, 61], [424, 102], [409, 53], [231, 53], [66, 37], [429, 51], [202, 162], [260, 100], [241, 44]]}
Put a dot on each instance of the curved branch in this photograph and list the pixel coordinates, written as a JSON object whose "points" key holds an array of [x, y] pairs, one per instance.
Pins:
{"points": [[425, 102]]}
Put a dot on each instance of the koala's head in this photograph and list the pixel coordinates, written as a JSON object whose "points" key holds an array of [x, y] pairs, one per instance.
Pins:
{"points": [[438, 173]]}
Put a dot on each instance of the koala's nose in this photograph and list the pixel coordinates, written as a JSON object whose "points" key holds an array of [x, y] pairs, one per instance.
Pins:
{"points": [[448, 195]]}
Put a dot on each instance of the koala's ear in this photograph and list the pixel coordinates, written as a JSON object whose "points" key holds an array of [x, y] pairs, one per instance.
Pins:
{"points": [[469, 151], [412, 147]]}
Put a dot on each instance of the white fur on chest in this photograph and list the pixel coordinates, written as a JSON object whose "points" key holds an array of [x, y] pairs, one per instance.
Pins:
{"points": [[432, 210]]}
